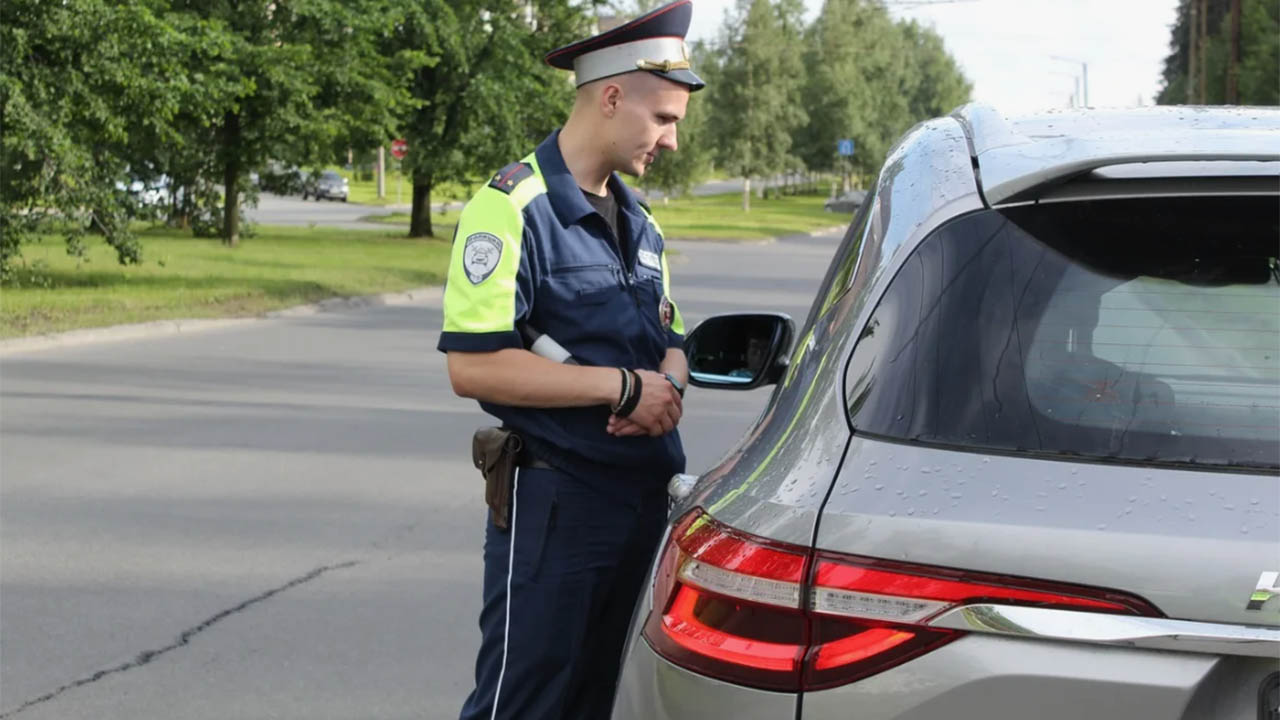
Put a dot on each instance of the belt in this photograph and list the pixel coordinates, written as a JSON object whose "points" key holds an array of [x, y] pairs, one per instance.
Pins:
{"points": [[529, 461]]}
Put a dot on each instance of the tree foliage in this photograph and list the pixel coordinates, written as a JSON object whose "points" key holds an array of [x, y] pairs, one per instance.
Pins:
{"points": [[1259, 70], [486, 98], [757, 93], [84, 86], [870, 79]]}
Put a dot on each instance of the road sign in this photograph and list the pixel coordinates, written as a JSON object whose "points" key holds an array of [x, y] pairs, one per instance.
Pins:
{"points": [[399, 148], [844, 148]]}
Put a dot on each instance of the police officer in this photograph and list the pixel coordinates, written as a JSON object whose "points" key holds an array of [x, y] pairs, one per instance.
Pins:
{"points": [[556, 246]]}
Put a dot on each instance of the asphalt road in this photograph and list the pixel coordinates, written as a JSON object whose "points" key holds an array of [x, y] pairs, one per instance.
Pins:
{"points": [[278, 520]]}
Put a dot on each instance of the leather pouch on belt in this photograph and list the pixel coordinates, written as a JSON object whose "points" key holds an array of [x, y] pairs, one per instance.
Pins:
{"points": [[496, 452]]}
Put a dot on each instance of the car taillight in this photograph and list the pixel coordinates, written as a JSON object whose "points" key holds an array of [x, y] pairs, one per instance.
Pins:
{"points": [[752, 611]]}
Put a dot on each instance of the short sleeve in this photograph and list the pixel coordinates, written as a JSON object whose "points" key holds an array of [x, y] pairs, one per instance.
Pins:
{"points": [[675, 333], [488, 289]]}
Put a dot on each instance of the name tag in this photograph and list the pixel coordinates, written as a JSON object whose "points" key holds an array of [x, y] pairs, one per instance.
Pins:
{"points": [[650, 259]]}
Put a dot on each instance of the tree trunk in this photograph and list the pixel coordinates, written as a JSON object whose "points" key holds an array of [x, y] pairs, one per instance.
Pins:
{"points": [[1193, 43], [1204, 43], [230, 178], [420, 215], [1233, 57], [746, 194]]}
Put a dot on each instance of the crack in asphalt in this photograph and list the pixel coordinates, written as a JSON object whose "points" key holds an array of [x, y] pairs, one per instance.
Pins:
{"points": [[147, 656]]}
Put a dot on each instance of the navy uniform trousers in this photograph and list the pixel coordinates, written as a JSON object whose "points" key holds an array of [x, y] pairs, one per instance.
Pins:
{"points": [[559, 589]]}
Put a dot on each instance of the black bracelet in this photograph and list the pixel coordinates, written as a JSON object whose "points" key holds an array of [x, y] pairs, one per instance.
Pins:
{"points": [[633, 400], [626, 390]]}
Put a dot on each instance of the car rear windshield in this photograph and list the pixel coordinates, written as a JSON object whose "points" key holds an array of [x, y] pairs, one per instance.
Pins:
{"points": [[1136, 330]]}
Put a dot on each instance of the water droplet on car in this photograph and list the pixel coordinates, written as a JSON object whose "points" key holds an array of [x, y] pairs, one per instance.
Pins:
{"points": [[1253, 501], [1133, 498], [911, 511], [986, 460], [925, 471], [1102, 526], [1244, 529], [893, 513], [922, 493], [1062, 486], [879, 486], [1229, 506]]}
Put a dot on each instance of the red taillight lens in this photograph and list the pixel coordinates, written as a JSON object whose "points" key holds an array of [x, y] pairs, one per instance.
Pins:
{"points": [[748, 610], [727, 605]]}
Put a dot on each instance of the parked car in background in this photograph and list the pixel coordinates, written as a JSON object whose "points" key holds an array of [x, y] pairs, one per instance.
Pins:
{"points": [[327, 185], [1022, 459], [147, 192], [846, 203]]}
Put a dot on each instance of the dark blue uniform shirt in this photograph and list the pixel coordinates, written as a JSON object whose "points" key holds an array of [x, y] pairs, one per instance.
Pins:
{"points": [[530, 249]]}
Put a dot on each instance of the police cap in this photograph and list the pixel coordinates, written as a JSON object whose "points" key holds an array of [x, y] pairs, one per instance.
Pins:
{"points": [[653, 42]]}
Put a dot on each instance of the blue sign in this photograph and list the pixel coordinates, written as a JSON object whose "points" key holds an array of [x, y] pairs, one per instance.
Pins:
{"points": [[844, 148]]}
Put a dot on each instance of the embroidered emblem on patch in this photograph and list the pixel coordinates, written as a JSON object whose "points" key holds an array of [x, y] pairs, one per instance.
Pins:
{"points": [[666, 312], [648, 258], [480, 256]]}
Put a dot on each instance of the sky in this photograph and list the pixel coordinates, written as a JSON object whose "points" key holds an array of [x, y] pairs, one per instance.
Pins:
{"points": [[1006, 47]]}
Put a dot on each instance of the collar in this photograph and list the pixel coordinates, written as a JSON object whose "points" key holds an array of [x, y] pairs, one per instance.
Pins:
{"points": [[563, 191]]}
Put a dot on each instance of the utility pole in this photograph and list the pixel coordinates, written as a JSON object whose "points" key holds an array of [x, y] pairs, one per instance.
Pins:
{"points": [[1193, 42], [1084, 67], [382, 171], [1233, 58]]}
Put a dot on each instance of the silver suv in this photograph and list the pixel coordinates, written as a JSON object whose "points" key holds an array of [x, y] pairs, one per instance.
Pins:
{"points": [[1022, 457]]}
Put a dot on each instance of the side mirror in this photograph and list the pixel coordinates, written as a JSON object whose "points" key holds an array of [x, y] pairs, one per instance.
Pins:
{"points": [[739, 351]]}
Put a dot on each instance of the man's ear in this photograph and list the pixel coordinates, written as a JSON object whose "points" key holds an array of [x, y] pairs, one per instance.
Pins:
{"points": [[610, 98]]}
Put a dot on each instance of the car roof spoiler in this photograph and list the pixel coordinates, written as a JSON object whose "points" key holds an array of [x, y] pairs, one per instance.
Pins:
{"points": [[1024, 159]]}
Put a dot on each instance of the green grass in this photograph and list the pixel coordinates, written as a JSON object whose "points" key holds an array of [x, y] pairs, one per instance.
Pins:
{"points": [[720, 217], [717, 217], [365, 192], [185, 277]]}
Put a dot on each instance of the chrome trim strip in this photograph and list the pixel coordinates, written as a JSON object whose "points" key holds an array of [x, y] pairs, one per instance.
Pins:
{"points": [[1126, 630]]}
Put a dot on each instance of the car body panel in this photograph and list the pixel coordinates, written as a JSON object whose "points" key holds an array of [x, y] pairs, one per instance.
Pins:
{"points": [[774, 481], [1018, 155], [979, 677], [654, 689]]}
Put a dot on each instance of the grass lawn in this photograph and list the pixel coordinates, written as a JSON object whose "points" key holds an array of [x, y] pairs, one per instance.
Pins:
{"points": [[186, 277], [720, 217], [365, 192], [717, 217]]}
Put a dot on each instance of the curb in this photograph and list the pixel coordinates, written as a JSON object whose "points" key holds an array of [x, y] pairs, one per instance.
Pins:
{"points": [[162, 328]]}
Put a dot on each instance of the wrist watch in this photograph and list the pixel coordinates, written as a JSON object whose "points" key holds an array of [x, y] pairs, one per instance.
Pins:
{"points": [[674, 383]]}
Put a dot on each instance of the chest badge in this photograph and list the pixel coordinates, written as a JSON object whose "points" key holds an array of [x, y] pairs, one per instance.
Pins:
{"points": [[666, 312], [480, 256], [650, 259]]}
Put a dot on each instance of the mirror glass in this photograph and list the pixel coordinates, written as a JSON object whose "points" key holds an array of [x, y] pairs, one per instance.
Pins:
{"points": [[736, 350]]}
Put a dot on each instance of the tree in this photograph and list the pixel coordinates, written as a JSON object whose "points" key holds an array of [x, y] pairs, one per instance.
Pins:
{"points": [[486, 97], [757, 93], [870, 80], [83, 85], [1259, 55], [303, 77]]}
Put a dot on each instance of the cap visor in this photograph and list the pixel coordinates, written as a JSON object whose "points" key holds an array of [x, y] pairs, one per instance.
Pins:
{"points": [[684, 77]]}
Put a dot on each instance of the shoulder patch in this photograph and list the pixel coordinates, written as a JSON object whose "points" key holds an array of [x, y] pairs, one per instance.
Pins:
{"points": [[510, 176], [480, 256]]}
